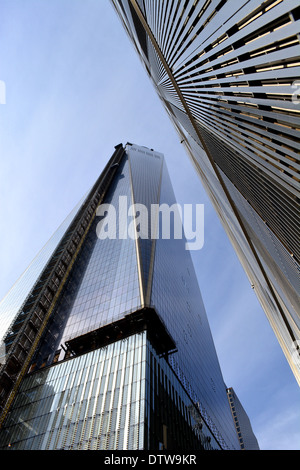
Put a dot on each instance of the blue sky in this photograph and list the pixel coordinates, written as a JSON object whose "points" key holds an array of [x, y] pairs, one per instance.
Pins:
{"points": [[74, 89]]}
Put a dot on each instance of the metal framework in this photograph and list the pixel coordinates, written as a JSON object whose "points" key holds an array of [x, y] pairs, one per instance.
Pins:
{"points": [[227, 73]]}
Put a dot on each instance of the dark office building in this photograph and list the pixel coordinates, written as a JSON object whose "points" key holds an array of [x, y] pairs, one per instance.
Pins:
{"points": [[246, 436], [107, 343], [228, 73]]}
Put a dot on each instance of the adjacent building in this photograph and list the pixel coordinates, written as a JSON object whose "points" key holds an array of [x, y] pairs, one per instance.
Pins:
{"points": [[106, 343], [246, 437], [227, 73]]}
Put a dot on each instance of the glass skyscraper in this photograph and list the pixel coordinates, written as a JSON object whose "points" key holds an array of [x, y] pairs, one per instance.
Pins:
{"points": [[106, 343], [227, 73]]}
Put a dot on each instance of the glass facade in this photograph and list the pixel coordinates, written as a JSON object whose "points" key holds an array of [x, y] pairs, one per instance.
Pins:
{"points": [[120, 397], [104, 284], [126, 359], [177, 298], [28, 307], [227, 76], [92, 402]]}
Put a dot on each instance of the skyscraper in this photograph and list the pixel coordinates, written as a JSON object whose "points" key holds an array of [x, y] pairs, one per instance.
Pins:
{"points": [[227, 74], [107, 343], [242, 423]]}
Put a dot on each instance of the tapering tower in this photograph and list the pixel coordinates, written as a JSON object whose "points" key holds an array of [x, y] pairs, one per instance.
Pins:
{"points": [[108, 345]]}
